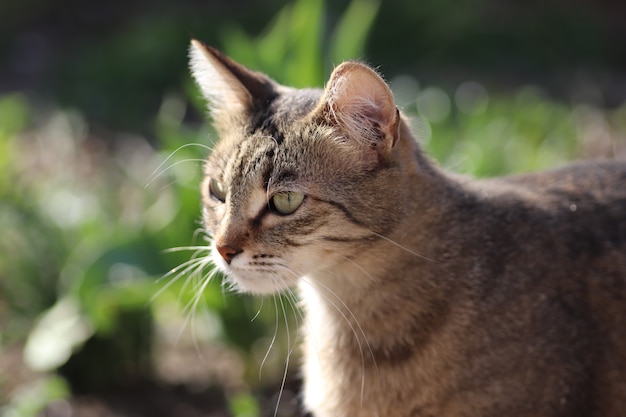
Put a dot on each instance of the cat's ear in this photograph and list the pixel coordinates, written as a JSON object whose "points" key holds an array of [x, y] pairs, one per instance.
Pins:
{"points": [[359, 102], [227, 85]]}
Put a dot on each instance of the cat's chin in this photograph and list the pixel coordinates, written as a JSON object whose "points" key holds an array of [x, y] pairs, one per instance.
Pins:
{"points": [[259, 284]]}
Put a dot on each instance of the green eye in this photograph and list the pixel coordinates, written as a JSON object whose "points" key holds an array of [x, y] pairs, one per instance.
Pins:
{"points": [[288, 202], [217, 190]]}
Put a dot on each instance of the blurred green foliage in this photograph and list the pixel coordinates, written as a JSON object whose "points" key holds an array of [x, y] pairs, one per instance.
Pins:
{"points": [[293, 48], [87, 220]]}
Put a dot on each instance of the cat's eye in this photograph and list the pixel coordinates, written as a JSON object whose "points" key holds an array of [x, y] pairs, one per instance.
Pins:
{"points": [[287, 202], [217, 190]]}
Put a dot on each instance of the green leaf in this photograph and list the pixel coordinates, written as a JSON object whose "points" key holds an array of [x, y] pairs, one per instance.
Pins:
{"points": [[30, 400], [244, 405], [239, 45], [59, 331], [14, 114], [350, 35], [307, 19]]}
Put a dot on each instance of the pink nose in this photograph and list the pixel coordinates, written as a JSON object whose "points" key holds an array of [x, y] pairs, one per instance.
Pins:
{"points": [[228, 252]]}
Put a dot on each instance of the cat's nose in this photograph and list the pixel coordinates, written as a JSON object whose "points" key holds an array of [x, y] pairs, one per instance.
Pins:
{"points": [[228, 252]]}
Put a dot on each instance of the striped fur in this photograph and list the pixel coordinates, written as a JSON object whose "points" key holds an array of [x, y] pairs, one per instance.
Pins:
{"points": [[425, 294]]}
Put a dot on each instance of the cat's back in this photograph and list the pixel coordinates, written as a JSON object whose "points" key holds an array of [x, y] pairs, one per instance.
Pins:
{"points": [[580, 207], [565, 233], [575, 218], [600, 180], [584, 202], [549, 249]]}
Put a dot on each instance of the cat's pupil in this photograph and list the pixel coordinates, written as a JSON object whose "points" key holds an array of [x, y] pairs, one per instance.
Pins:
{"points": [[287, 203]]}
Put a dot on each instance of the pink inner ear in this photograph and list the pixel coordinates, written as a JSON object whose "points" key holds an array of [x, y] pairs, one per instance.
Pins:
{"points": [[361, 103]]}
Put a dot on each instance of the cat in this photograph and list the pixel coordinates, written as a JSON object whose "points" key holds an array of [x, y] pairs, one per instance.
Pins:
{"points": [[425, 293]]}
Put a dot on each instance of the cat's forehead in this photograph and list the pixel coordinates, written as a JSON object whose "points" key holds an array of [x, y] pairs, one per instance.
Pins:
{"points": [[268, 139], [292, 103], [243, 160], [277, 116]]}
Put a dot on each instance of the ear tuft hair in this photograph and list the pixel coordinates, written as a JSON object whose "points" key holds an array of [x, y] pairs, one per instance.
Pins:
{"points": [[228, 86], [361, 104]]}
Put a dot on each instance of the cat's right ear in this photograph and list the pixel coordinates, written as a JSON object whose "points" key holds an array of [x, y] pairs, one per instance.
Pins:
{"points": [[229, 87]]}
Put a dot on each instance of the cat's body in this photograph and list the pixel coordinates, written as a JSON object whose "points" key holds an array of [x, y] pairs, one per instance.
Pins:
{"points": [[521, 312], [425, 294]]}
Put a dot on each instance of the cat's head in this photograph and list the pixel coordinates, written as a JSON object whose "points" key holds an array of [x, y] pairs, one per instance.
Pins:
{"points": [[300, 180]]}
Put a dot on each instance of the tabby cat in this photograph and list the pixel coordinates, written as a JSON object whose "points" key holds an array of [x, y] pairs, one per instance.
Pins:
{"points": [[425, 293]]}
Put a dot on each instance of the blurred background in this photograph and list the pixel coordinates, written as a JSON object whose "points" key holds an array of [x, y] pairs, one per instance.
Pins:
{"points": [[102, 134]]}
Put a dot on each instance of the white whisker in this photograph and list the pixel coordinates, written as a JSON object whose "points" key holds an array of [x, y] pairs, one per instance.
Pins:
{"points": [[184, 248], [194, 264], [154, 173], [192, 306], [403, 247], [157, 175], [194, 271], [267, 192], [352, 328], [269, 348], [291, 347], [360, 268], [295, 302], [258, 312], [201, 231]]}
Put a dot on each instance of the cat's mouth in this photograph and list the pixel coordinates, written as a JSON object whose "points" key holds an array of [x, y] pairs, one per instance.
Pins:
{"points": [[248, 274]]}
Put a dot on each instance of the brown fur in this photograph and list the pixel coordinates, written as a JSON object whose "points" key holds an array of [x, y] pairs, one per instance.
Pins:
{"points": [[425, 293]]}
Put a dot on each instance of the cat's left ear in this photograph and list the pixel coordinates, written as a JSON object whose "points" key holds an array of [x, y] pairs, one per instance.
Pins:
{"points": [[229, 87], [359, 102]]}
